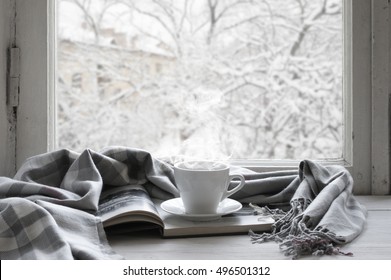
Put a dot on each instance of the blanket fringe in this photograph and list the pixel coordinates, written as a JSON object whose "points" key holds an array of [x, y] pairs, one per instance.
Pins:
{"points": [[295, 238]]}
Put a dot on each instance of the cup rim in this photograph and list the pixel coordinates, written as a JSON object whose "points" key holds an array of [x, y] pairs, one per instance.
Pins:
{"points": [[220, 165]]}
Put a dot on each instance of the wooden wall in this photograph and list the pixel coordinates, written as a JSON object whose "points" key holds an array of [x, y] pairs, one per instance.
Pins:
{"points": [[5, 153]]}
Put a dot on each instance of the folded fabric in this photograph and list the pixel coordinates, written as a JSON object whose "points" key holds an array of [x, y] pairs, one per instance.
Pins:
{"points": [[323, 212], [48, 210]]}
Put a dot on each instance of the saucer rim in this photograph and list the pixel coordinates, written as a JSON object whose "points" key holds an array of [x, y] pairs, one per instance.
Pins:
{"points": [[212, 215]]}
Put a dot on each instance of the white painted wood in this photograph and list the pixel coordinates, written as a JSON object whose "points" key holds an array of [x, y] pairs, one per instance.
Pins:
{"points": [[381, 97], [359, 85], [4, 35], [13, 77], [52, 77], [376, 202], [373, 243], [33, 111], [7, 124]]}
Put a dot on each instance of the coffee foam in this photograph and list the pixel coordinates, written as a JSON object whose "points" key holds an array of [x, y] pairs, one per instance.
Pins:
{"points": [[201, 165]]}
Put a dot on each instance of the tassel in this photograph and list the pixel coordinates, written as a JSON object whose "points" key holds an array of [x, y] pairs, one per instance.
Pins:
{"points": [[295, 238]]}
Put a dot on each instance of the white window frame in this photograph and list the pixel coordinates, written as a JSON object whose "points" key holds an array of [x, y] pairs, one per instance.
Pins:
{"points": [[366, 82]]}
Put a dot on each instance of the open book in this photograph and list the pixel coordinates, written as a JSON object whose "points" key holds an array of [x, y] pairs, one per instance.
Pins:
{"points": [[130, 208]]}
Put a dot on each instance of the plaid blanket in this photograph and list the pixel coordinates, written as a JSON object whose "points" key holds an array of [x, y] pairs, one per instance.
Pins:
{"points": [[322, 210], [48, 210]]}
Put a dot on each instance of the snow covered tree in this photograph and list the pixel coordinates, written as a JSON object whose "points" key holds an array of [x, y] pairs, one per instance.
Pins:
{"points": [[242, 79]]}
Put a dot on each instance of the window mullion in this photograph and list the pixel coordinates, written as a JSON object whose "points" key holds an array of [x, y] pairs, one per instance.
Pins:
{"points": [[380, 97]]}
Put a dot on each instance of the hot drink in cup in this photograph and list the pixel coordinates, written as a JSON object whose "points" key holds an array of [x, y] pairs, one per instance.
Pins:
{"points": [[204, 184]]}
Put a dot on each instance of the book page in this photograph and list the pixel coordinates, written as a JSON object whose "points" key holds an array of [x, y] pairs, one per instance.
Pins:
{"points": [[130, 203]]}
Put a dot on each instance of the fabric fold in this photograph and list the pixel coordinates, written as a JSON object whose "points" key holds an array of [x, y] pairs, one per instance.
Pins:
{"points": [[48, 210], [323, 214]]}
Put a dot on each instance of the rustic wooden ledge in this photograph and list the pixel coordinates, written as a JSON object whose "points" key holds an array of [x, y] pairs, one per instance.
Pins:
{"points": [[373, 243]]}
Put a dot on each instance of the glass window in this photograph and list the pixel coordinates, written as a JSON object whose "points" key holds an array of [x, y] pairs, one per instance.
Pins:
{"points": [[237, 79]]}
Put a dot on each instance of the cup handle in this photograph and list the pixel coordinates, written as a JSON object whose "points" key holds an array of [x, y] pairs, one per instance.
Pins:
{"points": [[237, 188]]}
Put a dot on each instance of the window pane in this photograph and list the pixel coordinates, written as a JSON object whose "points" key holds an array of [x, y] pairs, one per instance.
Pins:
{"points": [[241, 79]]}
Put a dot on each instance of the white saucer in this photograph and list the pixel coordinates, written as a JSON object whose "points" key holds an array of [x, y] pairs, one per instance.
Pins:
{"points": [[175, 206]]}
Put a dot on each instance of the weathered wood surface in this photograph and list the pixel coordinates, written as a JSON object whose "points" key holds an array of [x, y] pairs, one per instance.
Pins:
{"points": [[373, 243]]}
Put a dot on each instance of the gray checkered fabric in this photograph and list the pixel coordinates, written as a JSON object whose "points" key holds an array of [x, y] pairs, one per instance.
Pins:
{"points": [[322, 211], [48, 210]]}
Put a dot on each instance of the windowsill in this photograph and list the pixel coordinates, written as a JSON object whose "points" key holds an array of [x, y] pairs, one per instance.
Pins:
{"points": [[240, 247]]}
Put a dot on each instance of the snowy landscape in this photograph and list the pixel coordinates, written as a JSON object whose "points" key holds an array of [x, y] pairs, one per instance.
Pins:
{"points": [[217, 79]]}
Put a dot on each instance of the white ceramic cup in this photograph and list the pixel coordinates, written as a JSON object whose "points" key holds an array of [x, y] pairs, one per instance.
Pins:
{"points": [[204, 184]]}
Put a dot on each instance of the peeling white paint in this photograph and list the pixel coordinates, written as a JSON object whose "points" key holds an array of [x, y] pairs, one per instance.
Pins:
{"points": [[7, 113]]}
